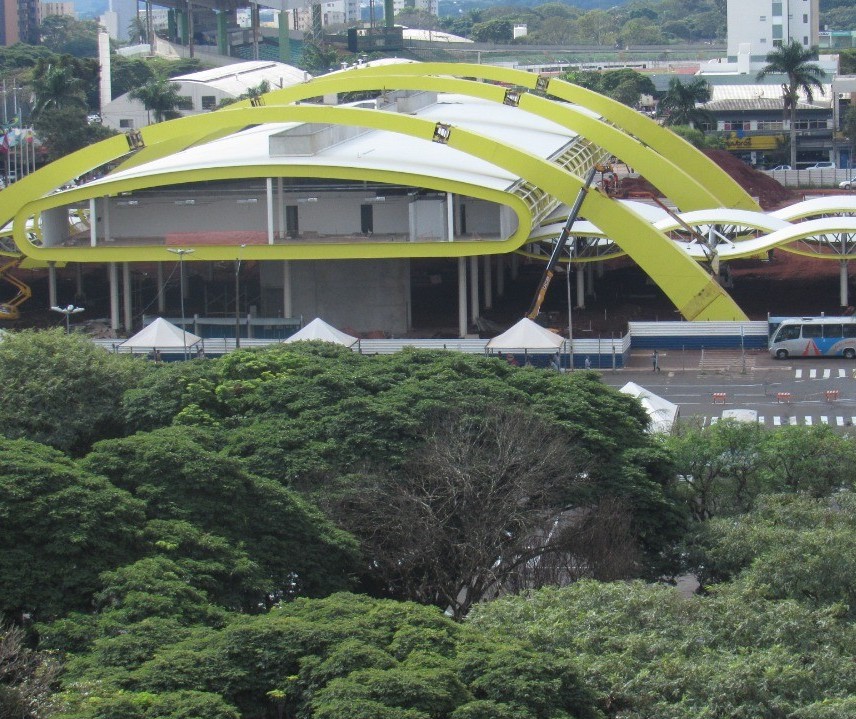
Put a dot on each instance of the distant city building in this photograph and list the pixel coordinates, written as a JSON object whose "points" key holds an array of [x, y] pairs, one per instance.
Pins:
{"points": [[338, 12], [57, 8], [19, 22], [763, 25], [119, 17], [520, 31]]}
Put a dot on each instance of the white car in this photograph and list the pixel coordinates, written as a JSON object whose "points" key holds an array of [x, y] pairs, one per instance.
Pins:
{"points": [[780, 168], [847, 184], [821, 166]]}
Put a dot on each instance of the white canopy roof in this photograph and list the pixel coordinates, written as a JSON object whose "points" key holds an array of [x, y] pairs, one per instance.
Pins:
{"points": [[661, 412], [162, 335], [318, 329], [528, 335]]}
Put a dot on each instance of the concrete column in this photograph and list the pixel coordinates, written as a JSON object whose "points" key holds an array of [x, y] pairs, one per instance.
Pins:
{"points": [[126, 297], [55, 225], [222, 34], [488, 282], [280, 206], [105, 217], [114, 296], [462, 296], [601, 268], [474, 288], [51, 284], [842, 280], [93, 223], [450, 217], [161, 293], [287, 307], [581, 287], [500, 275], [269, 188], [284, 40]]}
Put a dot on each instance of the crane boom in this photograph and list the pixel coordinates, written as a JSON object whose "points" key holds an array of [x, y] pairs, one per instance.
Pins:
{"points": [[549, 270]]}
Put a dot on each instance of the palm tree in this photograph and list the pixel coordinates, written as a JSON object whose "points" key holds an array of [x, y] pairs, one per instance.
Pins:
{"points": [[56, 87], [794, 60], [680, 103], [160, 97]]}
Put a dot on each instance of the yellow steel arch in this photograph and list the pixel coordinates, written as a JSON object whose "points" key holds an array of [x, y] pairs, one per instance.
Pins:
{"points": [[686, 191], [693, 291], [728, 192]]}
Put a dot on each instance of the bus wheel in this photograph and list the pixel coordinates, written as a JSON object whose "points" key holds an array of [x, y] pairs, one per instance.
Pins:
{"points": [[781, 354], [850, 353]]}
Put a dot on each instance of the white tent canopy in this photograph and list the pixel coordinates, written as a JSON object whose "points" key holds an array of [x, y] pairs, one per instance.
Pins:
{"points": [[661, 412], [526, 335], [318, 329], [162, 335]]}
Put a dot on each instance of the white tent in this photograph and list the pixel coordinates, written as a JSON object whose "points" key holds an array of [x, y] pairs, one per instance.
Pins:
{"points": [[661, 412], [318, 329], [526, 335], [161, 335]]}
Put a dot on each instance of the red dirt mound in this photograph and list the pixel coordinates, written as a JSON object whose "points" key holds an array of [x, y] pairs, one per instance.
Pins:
{"points": [[769, 192]]}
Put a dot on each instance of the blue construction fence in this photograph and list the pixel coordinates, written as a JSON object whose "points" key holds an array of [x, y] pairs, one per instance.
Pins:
{"points": [[698, 335]]}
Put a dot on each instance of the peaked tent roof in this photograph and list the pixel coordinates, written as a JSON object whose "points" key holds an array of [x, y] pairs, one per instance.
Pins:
{"points": [[526, 334], [661, 412], [318, 329], [161, 335]]}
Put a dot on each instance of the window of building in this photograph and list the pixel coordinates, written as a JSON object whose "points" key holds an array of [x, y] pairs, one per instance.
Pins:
{"points": [[763, 41], [805, 18], [126, 124], [209, 102], [777, 43], [805, 40], [185, 102], [777, 9], [367, 219], [763, 18], [777, 32]]}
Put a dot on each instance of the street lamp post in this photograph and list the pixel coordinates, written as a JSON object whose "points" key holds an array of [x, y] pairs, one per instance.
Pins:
{"points": [[181, 252], [68, 310], [238, 299], [570, 318]]}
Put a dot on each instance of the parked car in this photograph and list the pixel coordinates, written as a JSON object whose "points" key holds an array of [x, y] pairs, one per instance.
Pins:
{"points": [[822, 166], [847, 184], [780, 168]]}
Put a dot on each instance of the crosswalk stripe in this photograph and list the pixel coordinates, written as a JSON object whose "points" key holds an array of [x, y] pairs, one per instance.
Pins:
{"points": [[827, 373], [792, 420], [761, 420], [812, 374], [839, 421], [799, 374], [808, 422], [841, 374], [777, 421], [824, 420]]}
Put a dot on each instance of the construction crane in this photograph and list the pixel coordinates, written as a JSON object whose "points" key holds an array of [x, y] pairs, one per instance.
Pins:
{"points": [[558, 248], [9, 310]]}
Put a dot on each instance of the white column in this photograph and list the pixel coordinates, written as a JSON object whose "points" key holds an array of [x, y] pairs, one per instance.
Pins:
{"points": [[161, 294], [51, 284], [287, 307], [474, 288], [450, 217], [126, 296], [269, 184], [488, 282], [581, 286], [93, 223], [280, 209], [114, 296], [462, 296], [842, 279]]}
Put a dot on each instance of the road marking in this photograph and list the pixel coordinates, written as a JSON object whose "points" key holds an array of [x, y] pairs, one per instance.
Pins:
{"points": [[839, 421], [808, 422], [824, 420], [842, 374], [799, 374], [827, 373], [812, 374], [792, 420], [777, 421], [761, 420]]}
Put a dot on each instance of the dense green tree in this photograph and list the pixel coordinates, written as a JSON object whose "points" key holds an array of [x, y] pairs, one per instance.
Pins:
{"points": [[697, 138], [60, 526], [160, 97], [56, 87], [497, 31], [64, 35], [180, 476], [847, 62], [680, 104], [67, 130], [60, 389], [26, 677], [795, 61]]}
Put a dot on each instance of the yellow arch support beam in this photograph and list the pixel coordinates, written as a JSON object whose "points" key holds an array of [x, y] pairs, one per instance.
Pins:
{"points": [[691, 289], [664, 141]]}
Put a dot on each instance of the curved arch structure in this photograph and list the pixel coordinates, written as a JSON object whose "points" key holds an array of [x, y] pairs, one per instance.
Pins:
{"points": [[520, 151]]}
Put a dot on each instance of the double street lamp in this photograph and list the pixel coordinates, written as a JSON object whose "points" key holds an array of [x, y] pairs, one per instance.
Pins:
{"points": [[181, 252], [68, 311]]}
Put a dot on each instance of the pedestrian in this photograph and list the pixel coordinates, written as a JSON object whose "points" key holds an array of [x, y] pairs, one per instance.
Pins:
{"points": [[588, 363], [655, 361]]}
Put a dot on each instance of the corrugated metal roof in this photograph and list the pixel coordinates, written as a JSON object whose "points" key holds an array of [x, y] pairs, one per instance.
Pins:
{"points": [[771, 92], [765, 104], [238, 78]]}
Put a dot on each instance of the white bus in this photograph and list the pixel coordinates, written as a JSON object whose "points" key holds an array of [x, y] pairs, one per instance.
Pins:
{"points": [[814, 337]]}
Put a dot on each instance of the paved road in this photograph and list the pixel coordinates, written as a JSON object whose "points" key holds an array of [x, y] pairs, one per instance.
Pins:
{"points": [[797, 391]]}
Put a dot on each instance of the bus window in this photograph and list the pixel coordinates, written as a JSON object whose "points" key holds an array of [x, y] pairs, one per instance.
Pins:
{"points": [[788, 332], [850, 330], [812, 331], [832, 332]]}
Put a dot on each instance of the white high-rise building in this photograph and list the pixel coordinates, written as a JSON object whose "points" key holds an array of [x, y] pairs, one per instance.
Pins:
{"points": [[429, 6], [337, 12], [755, 27]]}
